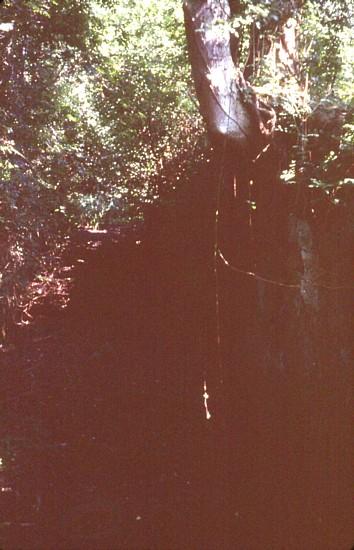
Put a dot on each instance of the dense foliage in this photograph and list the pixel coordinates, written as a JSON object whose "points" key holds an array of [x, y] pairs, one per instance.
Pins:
{"points": [[98, 117], [96, 121], [312, 95]]}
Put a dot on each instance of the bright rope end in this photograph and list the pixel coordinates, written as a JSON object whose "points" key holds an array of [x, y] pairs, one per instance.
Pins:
{"points": [[205, 398]]}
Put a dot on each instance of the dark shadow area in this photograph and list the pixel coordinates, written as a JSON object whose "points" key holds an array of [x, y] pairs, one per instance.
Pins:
{"points": [[105, 440]]}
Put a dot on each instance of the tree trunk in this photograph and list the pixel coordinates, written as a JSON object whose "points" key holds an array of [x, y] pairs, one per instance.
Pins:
{"points": [[284, 318], [227, 102]]}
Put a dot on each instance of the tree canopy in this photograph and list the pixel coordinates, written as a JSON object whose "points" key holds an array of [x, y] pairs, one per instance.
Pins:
{"points": [[99, 118]]}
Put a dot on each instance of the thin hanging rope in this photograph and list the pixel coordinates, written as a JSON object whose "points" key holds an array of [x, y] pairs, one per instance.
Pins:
{"points": [[278, 283], [216, 253], [219, 361], [254, 275]]}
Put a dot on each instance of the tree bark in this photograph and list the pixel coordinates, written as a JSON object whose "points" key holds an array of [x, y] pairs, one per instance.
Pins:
{"points": [[227, 103]]}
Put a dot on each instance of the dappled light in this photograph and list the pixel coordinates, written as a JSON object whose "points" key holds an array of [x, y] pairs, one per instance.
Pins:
{"points": [[176, 291]]}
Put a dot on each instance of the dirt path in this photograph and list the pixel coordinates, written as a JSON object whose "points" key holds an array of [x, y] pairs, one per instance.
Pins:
{"points": [[105, 419]]}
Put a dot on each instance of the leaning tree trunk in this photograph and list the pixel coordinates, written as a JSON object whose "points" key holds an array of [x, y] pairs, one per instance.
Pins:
{"points": [[283, 287], [227, 102]]}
